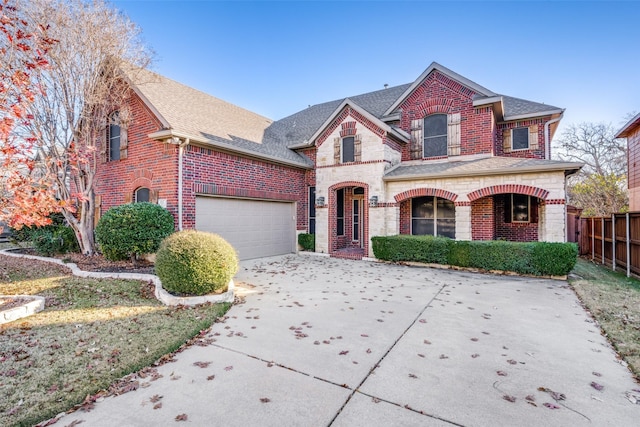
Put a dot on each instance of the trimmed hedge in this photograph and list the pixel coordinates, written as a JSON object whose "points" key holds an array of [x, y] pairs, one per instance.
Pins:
{"points": [[535, 258], [307, 241], [52, 239], [196, 263], [126, 231]]}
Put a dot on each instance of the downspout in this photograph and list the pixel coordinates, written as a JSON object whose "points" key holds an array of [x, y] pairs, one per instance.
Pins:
{"points": [[547, 142], [181, 146]]}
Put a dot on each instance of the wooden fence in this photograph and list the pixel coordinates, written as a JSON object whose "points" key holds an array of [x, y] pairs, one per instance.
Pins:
{"points": [[613, 241]]}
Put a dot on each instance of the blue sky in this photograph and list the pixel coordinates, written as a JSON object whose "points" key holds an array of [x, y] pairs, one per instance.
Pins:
{"points": [[276, 58]]}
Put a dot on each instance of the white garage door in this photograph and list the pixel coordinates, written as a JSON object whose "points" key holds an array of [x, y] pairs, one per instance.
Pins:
{"points": [[255, 228]]}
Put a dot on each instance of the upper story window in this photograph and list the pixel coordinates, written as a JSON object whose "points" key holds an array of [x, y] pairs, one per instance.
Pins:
{"points": [[348, 153], [435, 135], [113, 136], [347, 149], [520, 138], [141, 195]]}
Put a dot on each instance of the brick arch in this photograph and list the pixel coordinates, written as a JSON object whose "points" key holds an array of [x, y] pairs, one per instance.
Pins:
{"points": [[140, 182], [421, 192], [332, 217], [435, 106], [508, 188]]}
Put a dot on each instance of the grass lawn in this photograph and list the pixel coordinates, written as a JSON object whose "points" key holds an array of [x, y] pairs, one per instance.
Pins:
{"points": [[91, 333], [614, 301]]}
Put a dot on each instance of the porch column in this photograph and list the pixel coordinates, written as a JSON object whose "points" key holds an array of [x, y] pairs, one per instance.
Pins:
{"points": [[322, 229], [553, 225], [463, 221]]}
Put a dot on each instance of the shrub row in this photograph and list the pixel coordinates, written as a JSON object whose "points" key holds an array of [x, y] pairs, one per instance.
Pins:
{"points": [[52, 239], [536, 258]]}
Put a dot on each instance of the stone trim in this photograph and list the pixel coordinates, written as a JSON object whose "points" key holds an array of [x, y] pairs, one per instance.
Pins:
{"points": [[367, 162], [508, 188], [420, 192]]}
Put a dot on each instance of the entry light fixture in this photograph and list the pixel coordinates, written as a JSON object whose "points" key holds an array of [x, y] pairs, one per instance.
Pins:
{"points": [[320, 201], [373, 201]]}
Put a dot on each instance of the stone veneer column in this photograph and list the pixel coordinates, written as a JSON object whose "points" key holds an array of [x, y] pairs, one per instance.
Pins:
{"points": [[463, 222], [322, 230], [553, 223]]}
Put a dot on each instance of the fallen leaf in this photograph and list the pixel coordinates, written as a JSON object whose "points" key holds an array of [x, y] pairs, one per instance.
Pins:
{"points": [[512, 362], [228, 368], [421, 355], [422, 321], [343, 352], [427, 342], [475, 355], [210, 377], [364, 335], [509, 398], [597, 386], [202, 364], [444, 356], [597, 374], [474, 339], [155, 398], [530, 398], [413, 376], [265, 400], [501, 373], [181, 417], [551, 405]]}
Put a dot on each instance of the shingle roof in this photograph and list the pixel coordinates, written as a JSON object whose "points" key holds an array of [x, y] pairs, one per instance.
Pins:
{"points": [[475, 166], [516, 107], [629, 127], [207, 119]]}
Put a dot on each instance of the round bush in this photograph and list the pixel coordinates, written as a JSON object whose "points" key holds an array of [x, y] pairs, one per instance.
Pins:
{"points": [[129, 230], [196, 263]]}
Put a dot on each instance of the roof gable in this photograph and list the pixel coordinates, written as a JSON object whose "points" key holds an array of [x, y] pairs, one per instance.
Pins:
{"points": [[447, 72], [629, 127]]}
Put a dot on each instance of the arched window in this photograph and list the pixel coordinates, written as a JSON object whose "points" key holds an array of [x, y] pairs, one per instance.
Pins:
{"points": [[113, 137], [141, 195], [434, 216], [435, 135]]}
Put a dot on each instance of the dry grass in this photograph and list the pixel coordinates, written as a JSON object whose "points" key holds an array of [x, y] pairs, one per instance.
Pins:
{"points": [[614, 301], [91, 333]]}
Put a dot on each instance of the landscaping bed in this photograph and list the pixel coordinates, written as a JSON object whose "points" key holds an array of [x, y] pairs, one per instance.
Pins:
{"points": [[91, 333]]}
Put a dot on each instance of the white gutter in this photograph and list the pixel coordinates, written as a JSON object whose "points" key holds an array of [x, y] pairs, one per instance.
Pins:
{"points": [[181, 146], [547, 142]]}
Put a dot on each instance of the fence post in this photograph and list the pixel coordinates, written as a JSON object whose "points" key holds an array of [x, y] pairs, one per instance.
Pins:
{"points": [[613, 241], [602, 237], [628, 245], [593, 239]]}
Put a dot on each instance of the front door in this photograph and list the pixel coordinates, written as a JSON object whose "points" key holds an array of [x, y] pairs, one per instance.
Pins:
{"points": [[356, 237]]}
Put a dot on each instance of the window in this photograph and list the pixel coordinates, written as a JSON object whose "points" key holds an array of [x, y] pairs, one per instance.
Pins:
{"points": [[519, 208], [520, 138], [435, 135], [348, 149], [141, 195], [113, 137], [312, 210], [433, 216], [340, 212]]}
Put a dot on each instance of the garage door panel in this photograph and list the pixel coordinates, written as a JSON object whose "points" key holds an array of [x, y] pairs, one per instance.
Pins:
{"points": [[255, 228]]}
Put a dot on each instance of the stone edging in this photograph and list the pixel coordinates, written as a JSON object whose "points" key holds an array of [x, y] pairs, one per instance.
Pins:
{"points": [[162, 295], [32, 307]]}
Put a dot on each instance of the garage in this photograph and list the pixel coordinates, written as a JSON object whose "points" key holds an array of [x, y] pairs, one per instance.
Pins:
{"points": [[255, 228]]}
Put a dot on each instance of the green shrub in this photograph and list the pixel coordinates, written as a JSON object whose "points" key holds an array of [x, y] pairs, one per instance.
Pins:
{"points": [[307, 241], [404, 247], [536, 258], [196, 263], [555, 259], [127, 231], [52, 239]]}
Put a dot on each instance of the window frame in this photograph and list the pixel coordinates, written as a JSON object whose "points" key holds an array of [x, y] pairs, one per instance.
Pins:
{"points": [[524, 129], [435, 217], [340, 212], [343, 151], [135, 195], [311, 226], [513, 207], [425, 138], [114, 123]]}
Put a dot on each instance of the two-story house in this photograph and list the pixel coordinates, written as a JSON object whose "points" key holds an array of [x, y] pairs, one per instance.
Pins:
{"points": [[631, 131], [441, 156]]}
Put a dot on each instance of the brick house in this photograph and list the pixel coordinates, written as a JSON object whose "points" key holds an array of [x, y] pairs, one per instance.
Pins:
{"points": [[441, 155], [631, 131]]}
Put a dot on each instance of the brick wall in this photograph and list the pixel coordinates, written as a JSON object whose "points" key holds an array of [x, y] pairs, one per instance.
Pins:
{"points": [[440, 94], [531, 154], [149, 164], [482, 219], [213, 172]]}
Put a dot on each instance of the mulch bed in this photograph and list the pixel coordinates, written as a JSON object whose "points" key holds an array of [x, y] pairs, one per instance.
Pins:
{"points": [[99, 263], [9, 302]]}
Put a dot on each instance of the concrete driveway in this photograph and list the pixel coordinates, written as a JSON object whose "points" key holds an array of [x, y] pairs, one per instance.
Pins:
{"points": [[322, 341]]}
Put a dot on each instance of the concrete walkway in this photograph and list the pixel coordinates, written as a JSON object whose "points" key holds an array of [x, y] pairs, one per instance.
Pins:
{"points": [[322, 341]]}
